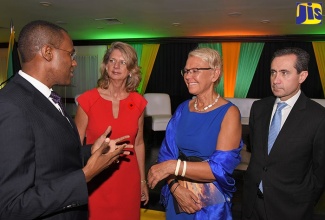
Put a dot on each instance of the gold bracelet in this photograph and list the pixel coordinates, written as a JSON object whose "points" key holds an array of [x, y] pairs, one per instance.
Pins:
{"points": [[143, 181]]}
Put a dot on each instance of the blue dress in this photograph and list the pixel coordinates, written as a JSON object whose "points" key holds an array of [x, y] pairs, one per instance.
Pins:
{"points": [[196, 134]]}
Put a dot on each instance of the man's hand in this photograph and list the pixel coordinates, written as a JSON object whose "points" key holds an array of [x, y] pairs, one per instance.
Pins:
{"points": [[104, 153], [98, 143]]}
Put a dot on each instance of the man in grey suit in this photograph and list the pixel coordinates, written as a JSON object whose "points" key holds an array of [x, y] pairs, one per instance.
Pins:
{"points": [[286, 180], [43, 167]]}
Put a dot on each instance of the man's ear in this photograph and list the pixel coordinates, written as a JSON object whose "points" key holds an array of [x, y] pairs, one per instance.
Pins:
{"points": [[302, 76], [47, 52]]}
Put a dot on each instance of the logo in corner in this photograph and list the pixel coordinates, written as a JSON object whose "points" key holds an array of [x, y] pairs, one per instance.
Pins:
{"points": [[309, 13]]}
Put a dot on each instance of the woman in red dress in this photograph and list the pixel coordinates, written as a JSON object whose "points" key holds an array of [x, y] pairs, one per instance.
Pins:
{"points": [[116, 193]]}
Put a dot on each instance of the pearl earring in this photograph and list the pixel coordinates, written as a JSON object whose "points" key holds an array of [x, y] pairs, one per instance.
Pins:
{"points": [[130, 75]]}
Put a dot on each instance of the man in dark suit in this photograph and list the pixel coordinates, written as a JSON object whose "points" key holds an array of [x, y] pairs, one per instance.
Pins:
{"points": [[286, 181], [42, 171]]}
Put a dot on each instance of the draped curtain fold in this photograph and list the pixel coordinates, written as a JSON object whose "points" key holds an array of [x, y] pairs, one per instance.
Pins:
{"points": [[230, 54], [319, 50], [250, 54], [148, 57], [138, 49]]}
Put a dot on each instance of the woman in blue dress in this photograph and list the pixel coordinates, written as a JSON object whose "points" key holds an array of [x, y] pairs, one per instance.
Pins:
{"points": [[201, 148]]}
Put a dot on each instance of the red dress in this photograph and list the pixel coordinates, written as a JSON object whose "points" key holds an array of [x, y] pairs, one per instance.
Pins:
{"points": [[115, 193]]}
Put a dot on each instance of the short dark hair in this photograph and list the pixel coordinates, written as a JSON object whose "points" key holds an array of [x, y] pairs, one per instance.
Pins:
{"points": [[302, 57], [36, 34]]}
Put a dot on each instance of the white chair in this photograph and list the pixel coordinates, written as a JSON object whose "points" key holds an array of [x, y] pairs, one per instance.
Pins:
{"points": [[244, 105], [159, 109]]}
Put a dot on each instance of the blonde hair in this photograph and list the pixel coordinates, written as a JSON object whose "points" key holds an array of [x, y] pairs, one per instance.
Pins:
{"points": [[131, 58], [211, 56]]}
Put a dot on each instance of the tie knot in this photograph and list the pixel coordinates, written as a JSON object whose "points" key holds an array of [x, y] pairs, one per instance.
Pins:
{"points": [[280, 106], [55, 97]]}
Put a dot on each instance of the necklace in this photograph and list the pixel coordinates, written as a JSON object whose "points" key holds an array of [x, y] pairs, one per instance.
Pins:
{"points": [[206, 107]]}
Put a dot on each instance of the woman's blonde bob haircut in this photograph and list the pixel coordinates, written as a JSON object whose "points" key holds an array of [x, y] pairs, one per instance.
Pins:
{"points": [[131, 59], [211, 56]]}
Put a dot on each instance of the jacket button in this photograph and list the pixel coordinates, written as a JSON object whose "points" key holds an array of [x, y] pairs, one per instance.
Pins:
{"points": [[264, 169]]}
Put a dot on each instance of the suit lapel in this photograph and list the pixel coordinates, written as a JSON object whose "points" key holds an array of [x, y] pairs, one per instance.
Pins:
{"points": [[292, 121], [266, 124], [44, 105]]}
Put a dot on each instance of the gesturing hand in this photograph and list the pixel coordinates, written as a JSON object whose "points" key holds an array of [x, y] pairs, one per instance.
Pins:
{"points": [[100, 141], [104, 155]]}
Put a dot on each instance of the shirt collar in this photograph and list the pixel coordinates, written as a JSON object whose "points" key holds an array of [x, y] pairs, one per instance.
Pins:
{"points": [[290, 102], [37, 84]]}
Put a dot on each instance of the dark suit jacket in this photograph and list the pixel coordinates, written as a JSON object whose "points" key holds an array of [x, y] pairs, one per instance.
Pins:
{"points": [[293, 173], [40, 158]]}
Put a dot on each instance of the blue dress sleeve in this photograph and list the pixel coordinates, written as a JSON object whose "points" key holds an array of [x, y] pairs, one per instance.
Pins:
{"points": [[168, 149]]}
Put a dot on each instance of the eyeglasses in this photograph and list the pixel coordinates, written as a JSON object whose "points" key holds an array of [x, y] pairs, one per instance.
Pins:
{"points": [[193, 71], [113, 62], [72, 54]]}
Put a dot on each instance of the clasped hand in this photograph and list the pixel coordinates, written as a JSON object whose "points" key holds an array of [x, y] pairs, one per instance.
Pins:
{"points": [[186, 199], [160, 171]]}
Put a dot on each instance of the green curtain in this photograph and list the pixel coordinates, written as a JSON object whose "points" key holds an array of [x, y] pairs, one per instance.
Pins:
{"points": [[218, 47], [250, 54], [138, 49], [148, 57]]}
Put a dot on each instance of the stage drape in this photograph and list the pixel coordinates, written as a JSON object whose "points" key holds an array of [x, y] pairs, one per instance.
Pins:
{"points": [[230, 55], [251, 75], [148, 57], [319, 49], [249, 56], [138, 49], [166, 77]]}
